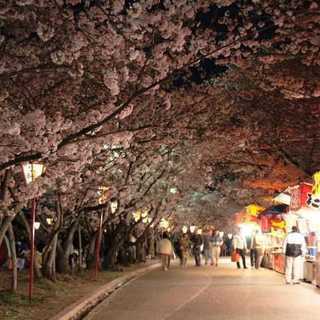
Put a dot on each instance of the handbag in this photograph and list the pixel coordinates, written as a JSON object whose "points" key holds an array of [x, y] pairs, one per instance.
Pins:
{"points": [[235, 256]]}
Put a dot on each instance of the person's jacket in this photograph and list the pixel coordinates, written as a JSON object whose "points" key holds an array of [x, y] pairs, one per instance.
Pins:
{"points": [[165, 247], [207, 242], [197, 240], [257, 242], [217, 241], [294, 245], [239, 242], [184, 243]]}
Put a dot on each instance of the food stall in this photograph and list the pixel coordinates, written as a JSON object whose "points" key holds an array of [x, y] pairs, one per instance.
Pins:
{"points": [[305, 205], [273, 226]]}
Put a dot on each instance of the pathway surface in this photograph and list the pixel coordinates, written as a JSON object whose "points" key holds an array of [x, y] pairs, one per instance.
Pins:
{"points": [[203, 293]]}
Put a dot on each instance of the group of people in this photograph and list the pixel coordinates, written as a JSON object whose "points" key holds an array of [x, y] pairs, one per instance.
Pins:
{"points": [[255, 245], [209, 245], [197, 244], [294, 249]]}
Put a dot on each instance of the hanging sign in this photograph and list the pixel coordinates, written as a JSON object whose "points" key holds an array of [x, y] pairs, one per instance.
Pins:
{"points": [[313, 198]]}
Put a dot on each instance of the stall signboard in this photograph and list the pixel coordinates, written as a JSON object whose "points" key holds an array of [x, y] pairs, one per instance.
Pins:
{"points": [[314, 196], [243, 217], [299, 196], [254, 210]]}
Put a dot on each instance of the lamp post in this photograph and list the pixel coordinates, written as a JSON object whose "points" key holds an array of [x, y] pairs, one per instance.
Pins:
{"points": [[98, 245], [31, 172]]}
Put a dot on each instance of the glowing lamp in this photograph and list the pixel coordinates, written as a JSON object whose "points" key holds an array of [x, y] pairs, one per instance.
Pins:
{"points": [[136, 215], [103, 194], [32, 171], [144, 214], [184, 229], [49, 221], [164, 223], [113, 206], [246, 229], [192, 229], [37, 225], [173, 190]]}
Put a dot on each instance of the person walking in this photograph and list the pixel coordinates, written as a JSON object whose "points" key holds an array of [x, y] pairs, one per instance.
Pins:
{"points": [[165, 251], [207, 247], [239, 245], [228, 243], [256, 249], [217, 242], [294, 248], [197, 243], [184, 249]]}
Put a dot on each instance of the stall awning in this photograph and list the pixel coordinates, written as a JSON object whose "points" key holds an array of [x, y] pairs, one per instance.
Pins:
{"points": [[283, 198], [275, 209]]}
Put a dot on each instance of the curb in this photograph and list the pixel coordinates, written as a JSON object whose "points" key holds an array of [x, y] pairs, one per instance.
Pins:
{"points": [[81, 308]]}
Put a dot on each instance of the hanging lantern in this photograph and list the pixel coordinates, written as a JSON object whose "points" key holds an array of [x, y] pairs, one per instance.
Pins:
{"points": [[103, 193], [49, 221], [164, 223], [32, 171], [36, 225], [113, 206], [184, 229], [136, 215]]}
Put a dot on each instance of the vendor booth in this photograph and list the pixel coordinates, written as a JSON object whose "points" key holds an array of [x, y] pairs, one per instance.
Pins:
{"points": [[273, 226]]}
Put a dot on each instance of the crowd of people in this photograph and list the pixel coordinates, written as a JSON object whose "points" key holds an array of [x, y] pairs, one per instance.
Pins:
{"points": [[210, 243], [207, 246]]}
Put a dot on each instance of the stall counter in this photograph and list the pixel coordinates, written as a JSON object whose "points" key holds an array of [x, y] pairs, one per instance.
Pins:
{"points": [[279, 262]]}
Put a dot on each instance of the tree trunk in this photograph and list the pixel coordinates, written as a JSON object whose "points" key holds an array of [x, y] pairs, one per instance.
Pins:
{"points": [[50, 251], [111, 257], [80, 247], [63, 255], [4, 226], [14, 283], [49, 263], [91, 251]]}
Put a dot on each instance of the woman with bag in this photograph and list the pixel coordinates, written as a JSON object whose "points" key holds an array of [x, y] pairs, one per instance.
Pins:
{"points": [[239, 245]]}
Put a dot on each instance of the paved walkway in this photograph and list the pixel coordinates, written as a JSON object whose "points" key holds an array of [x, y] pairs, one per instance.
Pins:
{"points": [[209, 293]]}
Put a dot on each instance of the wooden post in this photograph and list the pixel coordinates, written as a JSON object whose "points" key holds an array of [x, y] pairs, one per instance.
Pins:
{"points": [[32, 253]]}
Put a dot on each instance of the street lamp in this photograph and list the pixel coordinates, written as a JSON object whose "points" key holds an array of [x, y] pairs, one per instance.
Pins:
{"points": [[164, 223], [192, 229], [173, 190], [31, 172], [37, 225], [136, 215], [113, 206], [49, 221], [184, 229]]}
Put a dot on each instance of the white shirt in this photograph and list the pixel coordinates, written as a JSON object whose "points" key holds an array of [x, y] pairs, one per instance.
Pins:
{"points": [[295, 238], [239, 242]]}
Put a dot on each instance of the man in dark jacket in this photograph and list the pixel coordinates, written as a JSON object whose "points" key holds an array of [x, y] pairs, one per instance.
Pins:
{"points": [[294, 247], [197, 242]]}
